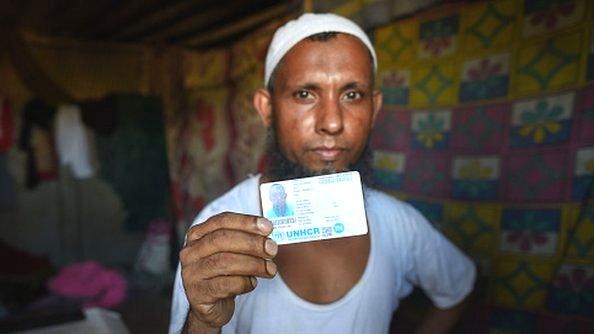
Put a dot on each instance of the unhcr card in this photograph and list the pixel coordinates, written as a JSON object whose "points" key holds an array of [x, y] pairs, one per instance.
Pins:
{"points": [[315, 208]]}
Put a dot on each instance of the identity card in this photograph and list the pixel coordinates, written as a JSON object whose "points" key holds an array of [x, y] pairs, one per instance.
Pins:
{"points": [[315, 208]]}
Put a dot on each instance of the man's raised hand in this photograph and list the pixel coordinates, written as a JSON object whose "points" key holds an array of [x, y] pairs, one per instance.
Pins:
{"points": [[221, 259]]}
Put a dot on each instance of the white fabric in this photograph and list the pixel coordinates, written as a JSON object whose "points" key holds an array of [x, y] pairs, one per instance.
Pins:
{"points": [[306, 25], [405, 251], [72, 145]]}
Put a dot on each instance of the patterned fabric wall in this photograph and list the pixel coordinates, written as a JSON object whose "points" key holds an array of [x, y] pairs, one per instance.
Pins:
{"points": [[247, 74], [198, 135], [488, 129], [215, 137]]}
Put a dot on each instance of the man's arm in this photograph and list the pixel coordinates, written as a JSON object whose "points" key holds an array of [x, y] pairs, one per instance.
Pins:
{"points": [[441, 320], [444, 273]]}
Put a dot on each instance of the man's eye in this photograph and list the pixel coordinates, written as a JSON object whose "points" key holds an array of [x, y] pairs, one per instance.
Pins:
{"points": [[303, 94], [352, 95]]}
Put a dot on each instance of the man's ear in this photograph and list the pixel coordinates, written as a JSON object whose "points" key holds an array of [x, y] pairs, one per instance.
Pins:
{"points": [[378, 98], [263, 104]]}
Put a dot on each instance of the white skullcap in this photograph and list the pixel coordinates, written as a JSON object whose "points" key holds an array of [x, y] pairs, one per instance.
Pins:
{"points": [[306, 25]]}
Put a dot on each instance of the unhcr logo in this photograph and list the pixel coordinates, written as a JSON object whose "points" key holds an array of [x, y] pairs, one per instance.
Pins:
{"points": [[278, 236], [303, 233]]}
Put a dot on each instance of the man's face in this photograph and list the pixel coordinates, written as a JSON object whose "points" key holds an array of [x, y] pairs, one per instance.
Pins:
{"points": [[323, 105]]}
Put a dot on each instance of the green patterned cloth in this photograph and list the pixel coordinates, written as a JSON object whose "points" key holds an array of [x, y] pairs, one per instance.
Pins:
{"points": [[133, 159]]}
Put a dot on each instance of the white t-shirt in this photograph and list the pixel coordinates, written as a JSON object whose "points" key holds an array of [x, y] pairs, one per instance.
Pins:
{"points": [[405, 251]]}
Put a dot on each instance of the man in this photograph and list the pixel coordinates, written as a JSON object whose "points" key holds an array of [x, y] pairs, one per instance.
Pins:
{"points": [[278, 198], [320, 107]]}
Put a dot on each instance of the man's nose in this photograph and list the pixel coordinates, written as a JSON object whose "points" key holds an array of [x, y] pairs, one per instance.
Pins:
{"points": [[330, 117]]}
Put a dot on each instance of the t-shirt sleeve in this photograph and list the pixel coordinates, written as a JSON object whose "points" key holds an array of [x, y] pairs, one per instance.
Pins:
{"points": [[444, 273], [179, 305]]}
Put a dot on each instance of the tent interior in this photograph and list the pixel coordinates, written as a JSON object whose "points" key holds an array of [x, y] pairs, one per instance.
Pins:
{"points": [[121, 120]]}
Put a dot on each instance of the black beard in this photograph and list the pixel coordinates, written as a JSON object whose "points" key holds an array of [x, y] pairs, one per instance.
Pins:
{"points": [[278, 167]]}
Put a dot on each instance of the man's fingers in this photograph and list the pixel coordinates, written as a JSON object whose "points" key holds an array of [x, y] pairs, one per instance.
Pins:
{"points": [[230, 264], [215, 289], [221, 258], [232, 241], [231, 221]]}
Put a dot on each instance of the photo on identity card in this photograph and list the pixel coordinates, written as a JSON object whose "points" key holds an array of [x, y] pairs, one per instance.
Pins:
{"points": [[315, 208]]}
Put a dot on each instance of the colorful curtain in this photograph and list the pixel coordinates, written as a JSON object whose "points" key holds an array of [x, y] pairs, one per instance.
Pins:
{"points": [[488, 129], [215, 137]]}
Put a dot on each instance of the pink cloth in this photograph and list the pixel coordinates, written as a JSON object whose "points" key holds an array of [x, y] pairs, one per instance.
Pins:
{"points": [[96, 285]]}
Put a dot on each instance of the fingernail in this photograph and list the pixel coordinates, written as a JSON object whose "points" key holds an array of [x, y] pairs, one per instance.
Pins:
{"points": [[254, 281], [271, 268], [264, 225], [270, 247]]}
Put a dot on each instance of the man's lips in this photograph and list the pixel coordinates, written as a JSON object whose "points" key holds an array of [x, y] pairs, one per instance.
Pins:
{"points": [[328, 153]]}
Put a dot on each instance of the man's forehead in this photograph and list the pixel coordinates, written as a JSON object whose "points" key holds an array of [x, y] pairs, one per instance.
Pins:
{"points": [[338, 56], [354, 43], [318, 39]]}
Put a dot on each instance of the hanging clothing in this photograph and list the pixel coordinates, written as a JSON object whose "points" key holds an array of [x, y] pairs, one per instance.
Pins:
{"points": [[43, 154], [72, 144], [6, 126], [133, 159], [36, 140], [100, 115], [8, 196]]}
